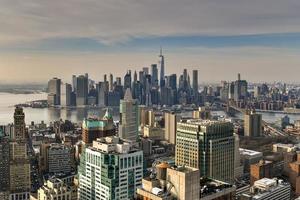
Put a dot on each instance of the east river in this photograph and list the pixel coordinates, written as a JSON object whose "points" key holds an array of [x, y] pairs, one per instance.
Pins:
{"points": [[8, 100]]}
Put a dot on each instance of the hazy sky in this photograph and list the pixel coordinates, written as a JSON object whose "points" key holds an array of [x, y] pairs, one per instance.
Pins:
{"points": [[40, 39]]}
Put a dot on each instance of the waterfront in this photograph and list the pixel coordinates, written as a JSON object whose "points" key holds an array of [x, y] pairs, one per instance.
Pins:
{"points": [[8, 100]]}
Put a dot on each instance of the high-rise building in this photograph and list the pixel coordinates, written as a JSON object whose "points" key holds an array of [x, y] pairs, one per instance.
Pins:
{"points": [[4, 166], [146, 70], [154, 75], [162, 69], [208, 146], [170, 127], [102, 89], [252, 124], [54, 92], [19, 171], [59, 158], [113, 98], [128, 128], [110, 169], [111, 82], [127, 80], [171, 183], [238, 166], [118, 81], [95, 128], [82, 90], [74, 82], [195, 81], [55, 188], [68, 94], [240, 89], [172, 81]]}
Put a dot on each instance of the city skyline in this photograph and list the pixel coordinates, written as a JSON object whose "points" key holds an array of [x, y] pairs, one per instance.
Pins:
{"points": [[100, 36]]}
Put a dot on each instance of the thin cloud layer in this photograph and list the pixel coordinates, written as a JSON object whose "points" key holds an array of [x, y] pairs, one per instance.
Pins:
{"points": [[121, 20]]}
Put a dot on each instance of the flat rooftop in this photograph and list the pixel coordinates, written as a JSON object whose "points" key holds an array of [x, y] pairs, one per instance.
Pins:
{"points": [[249, 152]]}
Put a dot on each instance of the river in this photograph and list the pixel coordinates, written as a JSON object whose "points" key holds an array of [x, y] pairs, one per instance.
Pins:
{"points": [[8, 100]]}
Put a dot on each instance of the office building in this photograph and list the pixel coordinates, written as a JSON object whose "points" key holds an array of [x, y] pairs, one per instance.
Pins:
{"points": [[54, 189], [154, 75], [162, 69], [268, 189], [171, 120], [249, 157], [195, 81], [111, 82], [102, 90], [113, 98], [252, 124], [19, 169], [240, 89], [206, 145], [128, 128], [68, 94], [262, 169], [93, 128], [59, 158], [54, 92], [238, 166], [166, 96], [82, 90], [171, 183], [110, 169], [4, 166], [127, 80], [172, 81]]}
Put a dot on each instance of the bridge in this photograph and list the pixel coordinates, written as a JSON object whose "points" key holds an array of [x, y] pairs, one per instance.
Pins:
{"points": [[267, 126]]}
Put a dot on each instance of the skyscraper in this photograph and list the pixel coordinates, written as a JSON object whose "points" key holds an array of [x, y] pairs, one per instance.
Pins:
{"points": [[118, 81], [172, 81], [4, 166], [128, 128], [208, 146], [127, 80], [195, 81], [74, 82], [240, 89], [110, 169], [68, 94], [162, 69], [54, 92], [252, 124], [154, 75], [111, 82], [81, 90], [102, 90], [19, 162]]}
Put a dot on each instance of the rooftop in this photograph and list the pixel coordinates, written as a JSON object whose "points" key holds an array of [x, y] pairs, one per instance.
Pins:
{"points": [[249, 152], [212, 186]]}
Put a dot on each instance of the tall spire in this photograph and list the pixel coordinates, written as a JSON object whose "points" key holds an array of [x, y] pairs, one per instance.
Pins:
{"points": [[160, 52]]}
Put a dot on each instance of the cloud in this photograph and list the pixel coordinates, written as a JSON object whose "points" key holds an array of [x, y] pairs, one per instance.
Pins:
{"points": [[115, 21]]}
